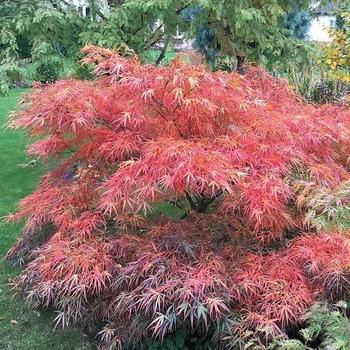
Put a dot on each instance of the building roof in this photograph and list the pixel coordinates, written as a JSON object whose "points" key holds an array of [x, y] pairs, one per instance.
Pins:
{"points": [[328, 9]]}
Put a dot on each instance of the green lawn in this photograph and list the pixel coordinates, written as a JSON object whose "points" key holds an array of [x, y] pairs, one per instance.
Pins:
{"points": [[22, 328]]}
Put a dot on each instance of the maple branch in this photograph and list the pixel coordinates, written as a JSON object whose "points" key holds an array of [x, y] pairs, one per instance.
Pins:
{"points": [[204, 202], [192, 203]]}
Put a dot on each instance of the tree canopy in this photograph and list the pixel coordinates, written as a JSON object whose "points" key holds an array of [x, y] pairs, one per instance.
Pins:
{"points": [[244, 30]]}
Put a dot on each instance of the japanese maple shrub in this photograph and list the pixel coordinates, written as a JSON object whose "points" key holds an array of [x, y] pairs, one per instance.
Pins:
{"points": [[262, 179]]}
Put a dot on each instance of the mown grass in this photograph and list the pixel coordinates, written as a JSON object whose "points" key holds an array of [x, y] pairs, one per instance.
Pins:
{"points": [[22, 328]]}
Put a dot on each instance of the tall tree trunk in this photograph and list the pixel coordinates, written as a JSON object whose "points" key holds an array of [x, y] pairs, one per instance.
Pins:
{"points": [[162, 53], [240, 64]]}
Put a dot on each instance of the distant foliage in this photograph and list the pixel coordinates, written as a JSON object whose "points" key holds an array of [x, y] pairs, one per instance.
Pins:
{"points": [[313, 82], [24, 47], [257, 174]]}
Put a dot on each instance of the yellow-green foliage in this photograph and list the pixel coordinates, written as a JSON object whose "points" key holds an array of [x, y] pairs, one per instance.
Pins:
{"points": [[337, 52]]}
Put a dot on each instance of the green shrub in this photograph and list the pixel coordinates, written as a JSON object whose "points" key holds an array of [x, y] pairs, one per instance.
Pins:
{"points": [[82, 72], [11, 75], [328, 324], [327, 328], [48, 71], [182, 339]]}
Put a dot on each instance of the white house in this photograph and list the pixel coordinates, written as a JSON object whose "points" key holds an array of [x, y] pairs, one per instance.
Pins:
{"points": [[324, 20], [83, 6]]}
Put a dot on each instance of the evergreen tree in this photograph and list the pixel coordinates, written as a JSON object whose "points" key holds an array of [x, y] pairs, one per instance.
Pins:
{"points": [[244, 30]]}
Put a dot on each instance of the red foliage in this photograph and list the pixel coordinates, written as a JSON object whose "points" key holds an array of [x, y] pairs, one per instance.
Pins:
{"points": [[242, 147], [274, 287], [325, 259]]}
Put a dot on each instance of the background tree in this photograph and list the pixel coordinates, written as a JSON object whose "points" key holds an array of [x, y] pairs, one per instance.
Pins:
{"points": [[51, 32], [248, 31], [243, 30], [298, 21]]}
